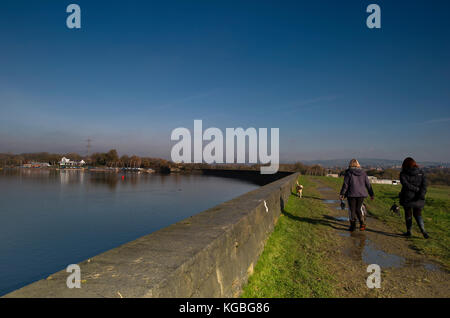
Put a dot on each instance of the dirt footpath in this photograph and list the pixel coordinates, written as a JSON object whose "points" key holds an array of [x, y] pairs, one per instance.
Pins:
{"points": [[404, 272]]}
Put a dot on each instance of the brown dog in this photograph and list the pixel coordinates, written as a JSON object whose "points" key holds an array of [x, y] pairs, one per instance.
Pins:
{"points": [[299, 189]]}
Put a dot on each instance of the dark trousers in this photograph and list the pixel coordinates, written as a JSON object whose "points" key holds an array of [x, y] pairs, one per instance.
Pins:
{"points": [[417, 212], [354, 205], [409, 212]]}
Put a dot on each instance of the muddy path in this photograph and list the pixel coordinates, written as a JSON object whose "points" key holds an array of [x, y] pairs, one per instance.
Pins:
{"points": [[404, 272]]}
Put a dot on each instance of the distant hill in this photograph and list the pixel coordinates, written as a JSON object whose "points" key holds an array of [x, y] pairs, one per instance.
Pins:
{"points": [[367, 162]]}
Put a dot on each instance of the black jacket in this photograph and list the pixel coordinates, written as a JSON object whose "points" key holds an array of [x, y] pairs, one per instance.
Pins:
{"points": [[356, 184], [414, 188]]}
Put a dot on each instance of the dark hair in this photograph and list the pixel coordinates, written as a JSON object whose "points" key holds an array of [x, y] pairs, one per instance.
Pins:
{"points": [[409, 163]]}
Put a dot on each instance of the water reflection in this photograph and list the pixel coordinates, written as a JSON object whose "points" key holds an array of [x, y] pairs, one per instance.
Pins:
{"points": [[98, 178], [327, 201], [358, 244], [109, 179], [51, 218], [362, 248]]}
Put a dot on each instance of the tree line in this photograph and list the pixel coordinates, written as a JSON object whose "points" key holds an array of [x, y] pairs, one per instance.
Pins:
{"points": [[112, 159], [98, 159], [438, 176]]}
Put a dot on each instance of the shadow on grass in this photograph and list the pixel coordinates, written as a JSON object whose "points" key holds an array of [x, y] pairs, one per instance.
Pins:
{"points": [[314, 221], [333, 223], [368, 229], [384, 233], [311, 197]]}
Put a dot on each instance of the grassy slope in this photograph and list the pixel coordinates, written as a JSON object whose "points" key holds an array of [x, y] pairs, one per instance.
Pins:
{"points": [[292, 260], [435, 213]]}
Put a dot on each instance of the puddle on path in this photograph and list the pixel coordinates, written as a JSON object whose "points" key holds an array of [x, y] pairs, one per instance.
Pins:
{"points": [[431, 267], [331, 201], [372, 255], [365, 250], [428, 266], [362, 248]]}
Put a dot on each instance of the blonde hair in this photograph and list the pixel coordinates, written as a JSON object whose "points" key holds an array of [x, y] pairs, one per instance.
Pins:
{"points": [[354, 164]]}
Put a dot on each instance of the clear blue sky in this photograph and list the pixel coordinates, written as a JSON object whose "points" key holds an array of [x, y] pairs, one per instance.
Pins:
{"points": [[138, 69]]}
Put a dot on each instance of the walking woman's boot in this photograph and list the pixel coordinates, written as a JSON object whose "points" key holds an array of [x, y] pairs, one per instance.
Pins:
{"points": [[352, 226], [408, 222], [419, 221]]}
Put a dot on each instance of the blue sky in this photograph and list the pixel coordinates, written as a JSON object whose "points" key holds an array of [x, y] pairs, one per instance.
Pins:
{"points": [[139, 69]]}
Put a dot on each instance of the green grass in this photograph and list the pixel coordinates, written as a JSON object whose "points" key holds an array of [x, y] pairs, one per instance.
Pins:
{"points": [[435, 214], [293, 263]]}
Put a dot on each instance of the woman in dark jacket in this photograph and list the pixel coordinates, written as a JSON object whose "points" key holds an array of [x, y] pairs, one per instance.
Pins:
{"points": [[412, 195], [356, 187]]}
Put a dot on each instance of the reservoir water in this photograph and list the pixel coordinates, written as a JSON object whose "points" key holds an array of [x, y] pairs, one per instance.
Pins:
{"points": [[50, 219]]}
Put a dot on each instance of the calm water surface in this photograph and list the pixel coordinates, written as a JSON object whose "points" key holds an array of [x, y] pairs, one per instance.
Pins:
{"points": [[49, 219]]}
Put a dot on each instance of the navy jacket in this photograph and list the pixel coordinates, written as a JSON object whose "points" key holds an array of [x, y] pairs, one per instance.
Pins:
{"points": [[356, 184], [414, 188]]}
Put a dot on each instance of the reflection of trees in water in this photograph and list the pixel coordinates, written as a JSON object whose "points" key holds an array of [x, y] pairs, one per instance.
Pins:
{"points": [[162, 178], [132, 178], [176, 179], [112, 179], [41, 176], [102, 179], [72, 177]]}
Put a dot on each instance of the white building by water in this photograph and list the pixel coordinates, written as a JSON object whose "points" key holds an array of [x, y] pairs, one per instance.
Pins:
{"points": [[66, 162]]}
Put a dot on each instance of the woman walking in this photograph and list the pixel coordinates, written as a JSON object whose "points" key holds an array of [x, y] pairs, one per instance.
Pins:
{"points": [[412, 195], [356, 188]]}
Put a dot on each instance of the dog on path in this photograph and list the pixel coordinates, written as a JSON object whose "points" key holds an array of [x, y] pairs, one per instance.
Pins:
{"points": [[299, 189]]}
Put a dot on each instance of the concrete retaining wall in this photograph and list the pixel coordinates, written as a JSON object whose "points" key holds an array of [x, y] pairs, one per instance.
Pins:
{"points": [[210, 254]]}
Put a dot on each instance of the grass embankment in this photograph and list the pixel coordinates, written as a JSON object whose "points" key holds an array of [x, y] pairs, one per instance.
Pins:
{"points": [[436, 216], [293, 263]]}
